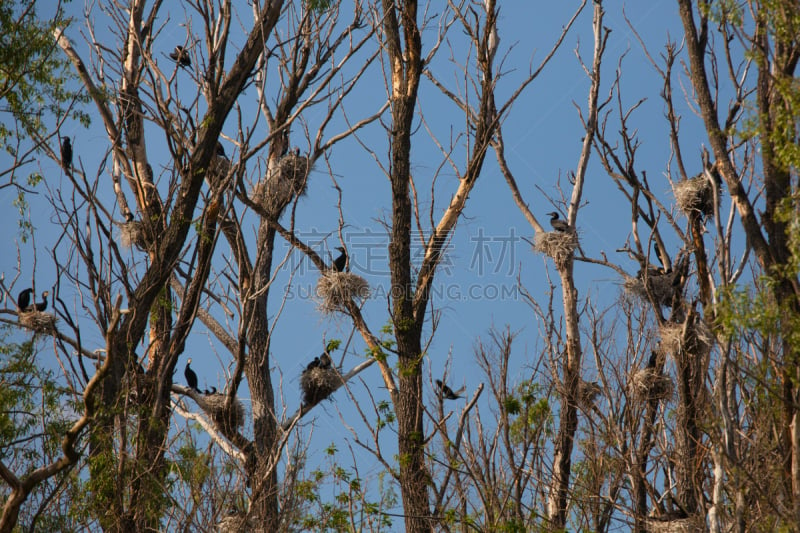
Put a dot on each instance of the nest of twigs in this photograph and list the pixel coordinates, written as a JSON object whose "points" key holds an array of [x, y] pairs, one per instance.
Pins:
{"points": [[285, 180], [657, 284], [38, 321], [697, 339], [133, 234], [335, 289], [647, 384], [684, 524], [235, 523], [559, 245], [217, 171], [214, 405], [587, 392], [695, 194], [318, 383]]}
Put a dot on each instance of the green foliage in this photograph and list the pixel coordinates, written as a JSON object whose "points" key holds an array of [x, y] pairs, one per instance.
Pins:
{"points": [[34, 75], [32, 423], [319, 5], [533, 412], [336, 499]]}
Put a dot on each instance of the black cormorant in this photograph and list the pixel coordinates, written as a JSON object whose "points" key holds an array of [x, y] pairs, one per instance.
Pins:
{"points": [[653, 361], [181, 56], [24, 299], [41, 306], [324, 361], [221, 150], [313, 364], [447, 392], [66, 154], [340, 262], [557, 223], [191, 377]]}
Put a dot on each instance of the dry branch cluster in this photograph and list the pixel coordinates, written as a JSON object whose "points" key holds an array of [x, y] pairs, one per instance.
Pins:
{"points": [[285, 181], [38, 321], [559, 245], [318, 383], [676, 525], [695, 194], [336, 289]]}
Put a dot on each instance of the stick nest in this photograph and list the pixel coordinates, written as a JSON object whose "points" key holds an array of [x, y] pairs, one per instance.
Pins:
{"points": [[38, 321], [218, 171], [659, 285], [285, 181], [698, 339], [647, 384], [214, 406], [133, 234], [587, 392], [691, 524], [236, 523], [560, 245], [318, 383], [335, 289], [695, 194]]}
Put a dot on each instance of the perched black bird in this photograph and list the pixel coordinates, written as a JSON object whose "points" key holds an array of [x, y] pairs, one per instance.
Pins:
{"points": [[191, 377], [41, 306], [24, 299], [325, 361], [340, 262], [181, 56], [653, 361], [447, 392], [221, 150], [66, 154], [312, 365], [557, 223]]}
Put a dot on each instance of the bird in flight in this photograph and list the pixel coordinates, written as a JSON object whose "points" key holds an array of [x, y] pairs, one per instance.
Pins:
{"points": [[447, 393]]}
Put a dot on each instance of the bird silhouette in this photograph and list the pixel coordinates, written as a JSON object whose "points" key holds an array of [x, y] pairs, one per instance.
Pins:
{"points": [[191, 377], [41, 306], [446, 392], [221, 150], [24, 299], [312, 365], [557, 223], [181, 56], [66, 154], [653, 361], [340, 262], [325, 362]]}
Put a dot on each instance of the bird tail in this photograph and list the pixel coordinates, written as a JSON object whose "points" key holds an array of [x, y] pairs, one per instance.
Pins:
{"points": [[212, 390]]}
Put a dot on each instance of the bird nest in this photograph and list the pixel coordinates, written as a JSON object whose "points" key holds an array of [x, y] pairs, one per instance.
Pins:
{"points": [[38, 321], [647, 384], [235, 523], [697, 340], [659, 286], [559, 245], [133, 234], [675, 525], [318, 383], [335, 289], [214, 405], [694, 194], [285, 181], [587, 392], [217, 171]]}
